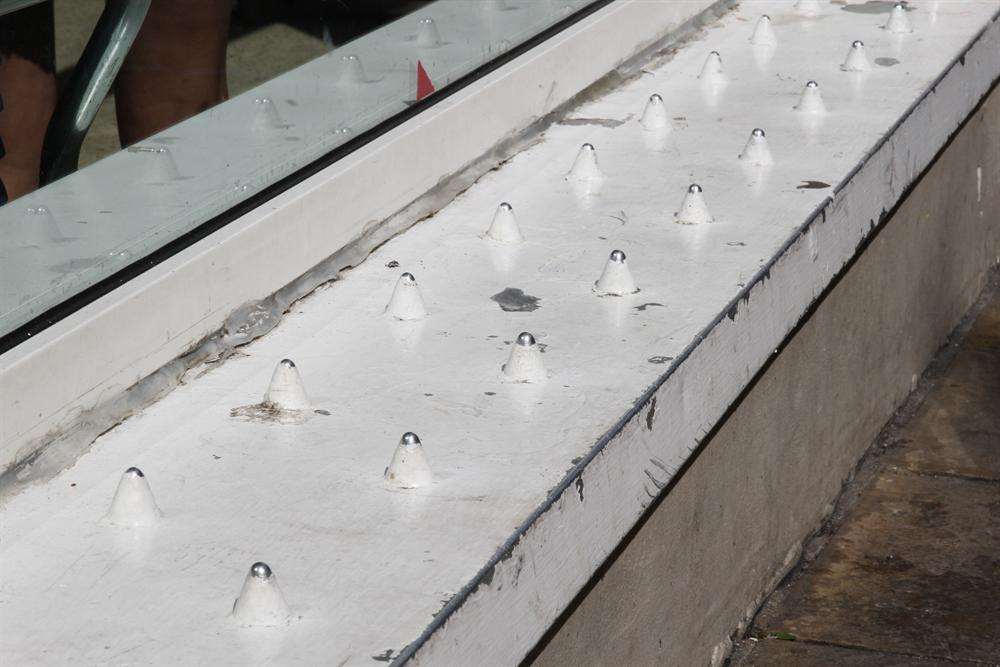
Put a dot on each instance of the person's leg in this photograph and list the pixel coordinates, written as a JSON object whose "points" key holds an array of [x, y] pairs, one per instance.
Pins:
{"points": [[27, 96], [175, 69]]}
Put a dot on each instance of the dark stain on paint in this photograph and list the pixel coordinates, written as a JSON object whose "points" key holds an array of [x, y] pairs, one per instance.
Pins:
{"points": [[886, 62], [385, 656], [579, 487], [659, 359], [514, 300], [651, 414], [812, 185], [651, 304]]}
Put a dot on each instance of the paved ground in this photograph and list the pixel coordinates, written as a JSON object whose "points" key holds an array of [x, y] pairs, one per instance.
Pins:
{"points": [[908, 572]]}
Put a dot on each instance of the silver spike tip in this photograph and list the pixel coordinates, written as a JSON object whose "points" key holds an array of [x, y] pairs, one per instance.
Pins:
{"points": [[714, 53], [161, 150], [409, 439], [765, 17], [426, 21], [408, 277], [588, 147], [262, 100], [900, 5], [617, 256], [694, 188], [350, 57], [504, 206], [288, 363], [655, 97], [525, 339], [812, 84], [260, 570], [757, 132], [134, 472], [857, 44]]}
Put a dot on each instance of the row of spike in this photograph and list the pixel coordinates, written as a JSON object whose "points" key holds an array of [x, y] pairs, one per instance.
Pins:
{"points": [[260, 601]]}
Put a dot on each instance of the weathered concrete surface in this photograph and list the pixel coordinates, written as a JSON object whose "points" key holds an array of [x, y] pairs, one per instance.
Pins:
{"points": [[957, 430], [777, 653], [914, 568], [698, 565]]}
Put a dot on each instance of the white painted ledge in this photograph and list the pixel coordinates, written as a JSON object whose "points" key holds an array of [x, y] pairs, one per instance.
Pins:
{"points": [[170, 308], [534, 484]]}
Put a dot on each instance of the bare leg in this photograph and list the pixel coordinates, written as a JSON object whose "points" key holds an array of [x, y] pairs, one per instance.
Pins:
{"points": [[28, 92], [175, 69]]}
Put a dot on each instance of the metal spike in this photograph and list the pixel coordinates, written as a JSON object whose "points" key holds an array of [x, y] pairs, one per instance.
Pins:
{"points": [[428, 36], [261, 603], [811, 101], [857, 59], [409, 468], [616, 279], [756, 152], [266, 116], [585, 165], [133, 503], [899, 22], [286, 391], [524, 365], [694, 210], [504, 228], [763, 33], [654, 115], [406, 302], [711, 71], [39, 228], [352, 71]]}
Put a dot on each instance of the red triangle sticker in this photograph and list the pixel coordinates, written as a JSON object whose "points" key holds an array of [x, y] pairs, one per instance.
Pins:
{"points": [[424, 85]]}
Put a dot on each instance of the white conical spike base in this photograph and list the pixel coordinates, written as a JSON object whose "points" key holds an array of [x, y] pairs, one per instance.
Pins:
{"points": [[352, 72], [808, 7], [711, 71], [857, 59], [898, 22], [286, 391], [133, 504], [694, 210], [811, 100], [585, 165], [757, 152], [504, 228], [616, 280], [428, 36], [525, 361], [39, 228], [654, 115], [763, 33], [409, 468], [261, 603], [160, 166], [266, 116], [406, 302]]}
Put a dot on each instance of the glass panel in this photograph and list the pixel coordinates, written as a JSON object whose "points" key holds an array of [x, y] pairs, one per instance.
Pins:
{"points": [[122, 205]]}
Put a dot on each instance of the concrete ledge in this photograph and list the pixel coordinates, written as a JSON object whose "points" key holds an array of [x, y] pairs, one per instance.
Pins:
{"points": [[699, 563], [108, 346]]}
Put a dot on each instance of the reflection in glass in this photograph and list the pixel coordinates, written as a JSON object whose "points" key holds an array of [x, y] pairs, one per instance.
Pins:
{"points": [[214, 100]]}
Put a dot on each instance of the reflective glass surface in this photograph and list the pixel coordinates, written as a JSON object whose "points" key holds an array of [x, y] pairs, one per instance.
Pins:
{"points": [[217, 103]]}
